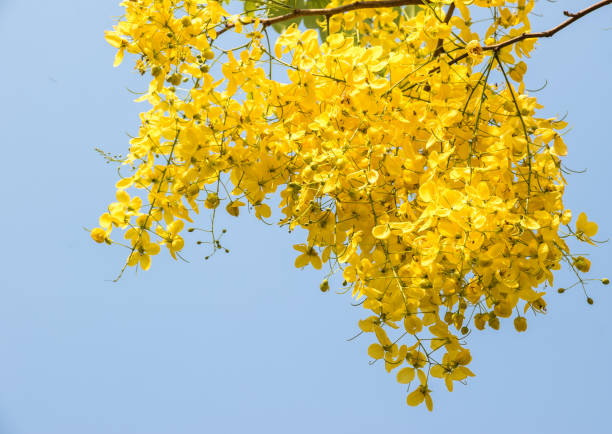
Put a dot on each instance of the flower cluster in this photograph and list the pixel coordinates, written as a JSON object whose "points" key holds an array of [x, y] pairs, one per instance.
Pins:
{"points": [[429, 183]]}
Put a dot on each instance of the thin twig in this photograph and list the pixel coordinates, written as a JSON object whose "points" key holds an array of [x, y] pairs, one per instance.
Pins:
{"points": [[546, 34], [551, 32]]}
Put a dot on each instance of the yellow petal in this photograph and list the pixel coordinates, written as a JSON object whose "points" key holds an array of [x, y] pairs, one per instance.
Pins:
{"points": [[415, 398], [452, 198], [263, 210], [300, 248], [413, 324], [177, 244], [581, 221], [590, 229], [375, 351], [405, 375], [437, 371], [113, 39], [349, 274], [559, 146], [427, 191], [372, 176], [381, 335], [133, 259], [461, 373], [586, 227], [530, 223], [119, 57], [152, 249], [326, 254], [422, 377], [106, 220], [429, 402], [449, 384], [124, 183], [176, 226], [315, 261], [233, 208], [301, 261], [145, 262], [366, 325], [382, 232], [122, 196], [566, 217]]}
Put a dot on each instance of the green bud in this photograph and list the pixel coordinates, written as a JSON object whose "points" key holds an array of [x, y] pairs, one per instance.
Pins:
{"points": [[324, 287]]}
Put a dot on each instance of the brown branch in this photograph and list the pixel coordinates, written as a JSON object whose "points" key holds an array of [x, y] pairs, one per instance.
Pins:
{"points": [[266, 22], [393, 3], [547, 34], [449, 15], [341, 9], [551, 32]]}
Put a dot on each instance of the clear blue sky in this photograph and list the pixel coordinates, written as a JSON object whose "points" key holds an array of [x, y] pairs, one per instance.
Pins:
{"points": [[244, 343]]}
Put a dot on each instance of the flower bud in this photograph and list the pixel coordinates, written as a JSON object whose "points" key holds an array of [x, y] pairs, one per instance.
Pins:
{"points": [[520, 323], [324, 287], [98, 235], [480, 321]]}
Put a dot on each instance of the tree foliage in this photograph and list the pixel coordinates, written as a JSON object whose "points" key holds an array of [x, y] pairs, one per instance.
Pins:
{"points": [[401, 139]]}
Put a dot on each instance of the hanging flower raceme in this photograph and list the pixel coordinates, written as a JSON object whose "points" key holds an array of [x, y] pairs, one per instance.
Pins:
{"points": [[435, 194]]}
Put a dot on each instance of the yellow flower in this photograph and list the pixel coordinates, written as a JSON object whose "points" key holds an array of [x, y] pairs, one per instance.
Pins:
{"points": [[452, 369], [433, 190], [142, 252], [99, 235], [212, 201], [422, 393], [170, 236], [517, 71], [582, 264], [585, 229], [475, 51], [262, 211], [113, 39], [309, 256], [233, 208]]}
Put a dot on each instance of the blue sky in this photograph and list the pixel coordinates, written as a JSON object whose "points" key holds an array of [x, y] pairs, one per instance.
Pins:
{"points": [[244, 342]]}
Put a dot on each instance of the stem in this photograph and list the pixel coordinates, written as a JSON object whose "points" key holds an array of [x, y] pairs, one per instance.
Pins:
{"points": [[546, 34], [328, 12]]}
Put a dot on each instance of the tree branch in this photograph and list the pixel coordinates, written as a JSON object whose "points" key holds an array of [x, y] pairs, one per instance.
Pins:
{"points": [[546, 34], [360, 4], [266, 22], [341, 9], [551, 32], [449, 15]]}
